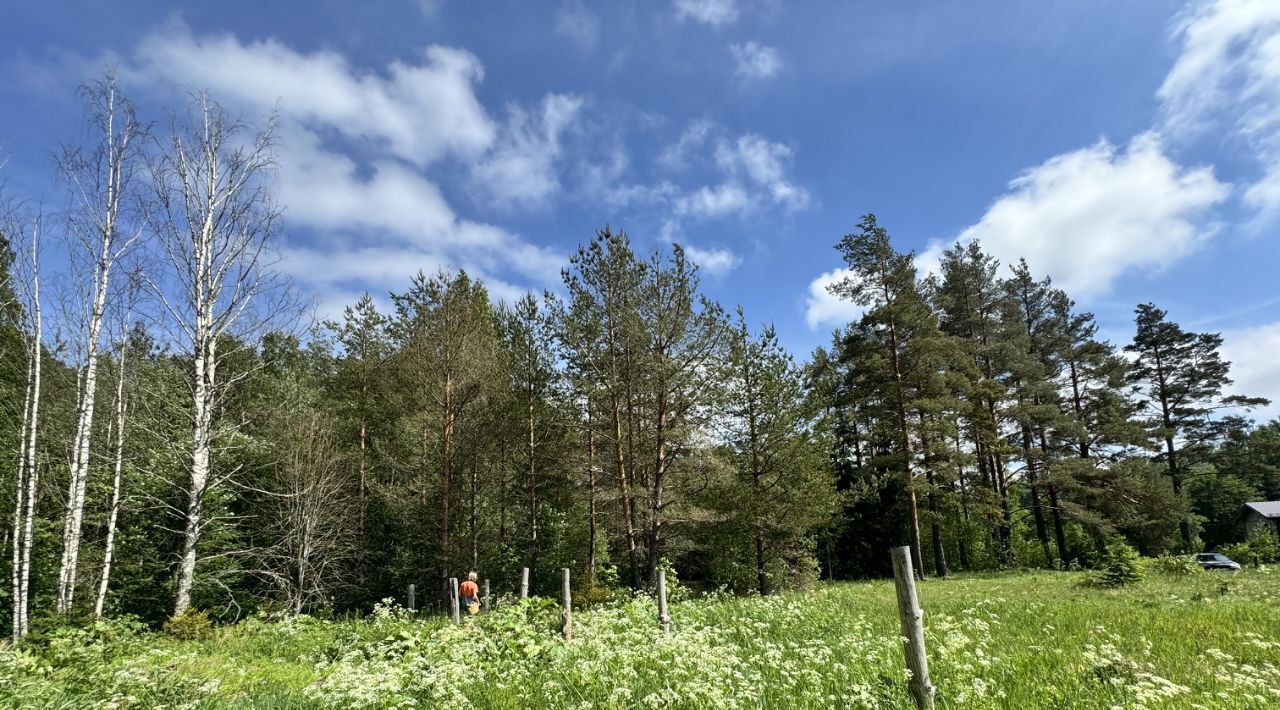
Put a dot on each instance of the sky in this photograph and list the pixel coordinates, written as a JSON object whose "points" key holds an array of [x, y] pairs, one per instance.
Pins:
{"points": [[1131, 151]]}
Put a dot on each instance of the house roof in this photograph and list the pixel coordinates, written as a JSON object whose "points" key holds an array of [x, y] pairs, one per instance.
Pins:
{"points": [[1266, 508]]}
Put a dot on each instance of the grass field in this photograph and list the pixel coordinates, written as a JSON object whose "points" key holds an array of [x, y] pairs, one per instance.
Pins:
{"points": [[1029, 640]]}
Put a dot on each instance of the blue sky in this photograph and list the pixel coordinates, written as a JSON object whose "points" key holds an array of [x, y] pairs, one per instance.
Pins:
{"points": [[1130, 150]]}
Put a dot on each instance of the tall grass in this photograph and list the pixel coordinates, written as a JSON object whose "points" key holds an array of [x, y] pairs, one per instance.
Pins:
{"points": [[1031, 640]]}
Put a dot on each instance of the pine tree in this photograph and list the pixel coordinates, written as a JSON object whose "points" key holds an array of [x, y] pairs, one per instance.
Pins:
{"points": [[783, 486], [906, 338], [1181, 376]]}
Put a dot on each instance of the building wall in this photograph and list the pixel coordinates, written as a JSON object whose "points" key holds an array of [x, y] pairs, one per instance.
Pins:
{"points": [[1255, 525]]}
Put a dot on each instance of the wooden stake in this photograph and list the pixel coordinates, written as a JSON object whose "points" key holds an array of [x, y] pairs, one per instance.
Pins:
{"points": [[524, 583], [664, 619], [911, 619], [453, 600], [568, 607], [413, 599]]}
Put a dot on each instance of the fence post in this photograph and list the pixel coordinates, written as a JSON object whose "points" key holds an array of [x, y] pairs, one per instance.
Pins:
{"points": [[568, 607], [664, 619], [524, 583], [911, 618], [413, 598], [485, 603], [453, 600]]}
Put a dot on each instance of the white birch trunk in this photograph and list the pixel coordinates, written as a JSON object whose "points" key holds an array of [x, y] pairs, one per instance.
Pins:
{"points": [[29, 473], [108, 554], [78, 483], [19, 505], [101, 180], [201, 444]]}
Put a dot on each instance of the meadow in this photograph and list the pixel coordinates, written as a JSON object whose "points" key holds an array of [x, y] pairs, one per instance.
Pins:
{"points": [[1015, 640]]}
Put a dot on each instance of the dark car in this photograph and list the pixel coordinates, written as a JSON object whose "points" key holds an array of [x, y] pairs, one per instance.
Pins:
{"points": [[1216, 560]]}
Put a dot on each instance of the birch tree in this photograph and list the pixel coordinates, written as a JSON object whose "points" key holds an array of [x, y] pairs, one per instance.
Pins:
{"points": [[27, 480], [214, 218], [118, 428], [101, 183]]}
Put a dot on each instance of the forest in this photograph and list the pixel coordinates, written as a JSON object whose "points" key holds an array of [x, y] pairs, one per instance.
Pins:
{"points": [[180, 435]]}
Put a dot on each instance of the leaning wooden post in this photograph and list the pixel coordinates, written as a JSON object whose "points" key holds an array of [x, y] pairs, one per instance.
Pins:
{"points": [[524, 583], [484, 601], [911, 618], [664, 619], [453, 600], [413, 599], [568, 607]]}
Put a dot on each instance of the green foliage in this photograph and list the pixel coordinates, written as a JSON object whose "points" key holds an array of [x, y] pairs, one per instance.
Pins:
{"points": [[1175, 565], [190, 625], [1120, 567], [1262, 549]]}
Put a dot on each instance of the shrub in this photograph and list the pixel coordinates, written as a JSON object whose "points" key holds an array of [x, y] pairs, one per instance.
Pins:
{"points": [[1175, 565], [190, 625], [1260, 550], [1120, 567]]}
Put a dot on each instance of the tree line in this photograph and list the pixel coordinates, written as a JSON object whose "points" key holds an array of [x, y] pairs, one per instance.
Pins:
{"points": [[178, 436]]}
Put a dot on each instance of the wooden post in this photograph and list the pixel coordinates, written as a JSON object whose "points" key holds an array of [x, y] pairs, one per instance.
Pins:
{"points": [[911, 618], [568, 607], [664, 619], [413, 599], [524, 583], [484, 601], [453, 600]]}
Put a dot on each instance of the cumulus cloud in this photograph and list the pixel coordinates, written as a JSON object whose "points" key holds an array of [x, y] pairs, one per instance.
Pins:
{"points": [[1254, 366], [707, 12], [1089, 216], [1228, 75], [361, 152], [416, 112], [824, 308], [579, 24], [755, 61], [713, 261]]}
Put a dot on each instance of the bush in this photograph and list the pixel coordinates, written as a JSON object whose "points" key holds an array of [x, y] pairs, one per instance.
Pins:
{"points": [[1120, 567], [190, 625], [1260, 550], [1175, 565]]}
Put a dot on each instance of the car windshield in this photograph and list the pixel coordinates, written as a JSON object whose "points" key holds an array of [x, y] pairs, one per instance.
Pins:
{"points": [[1212, 557]]}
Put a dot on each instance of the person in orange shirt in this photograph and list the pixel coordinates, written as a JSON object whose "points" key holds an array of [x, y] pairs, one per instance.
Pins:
{"points": [[469, 594]]}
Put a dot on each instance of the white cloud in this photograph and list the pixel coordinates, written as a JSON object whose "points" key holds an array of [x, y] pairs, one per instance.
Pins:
{"points": [[1228, 75], [708, 12], [675, 156], [764, 163], [522, 168], [419, 113], [716, 262], [824, 308], [755, 174], [575, 21], [715, 201], [755, 61], [359, 153], [1254, 366], [1092, 215]]}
